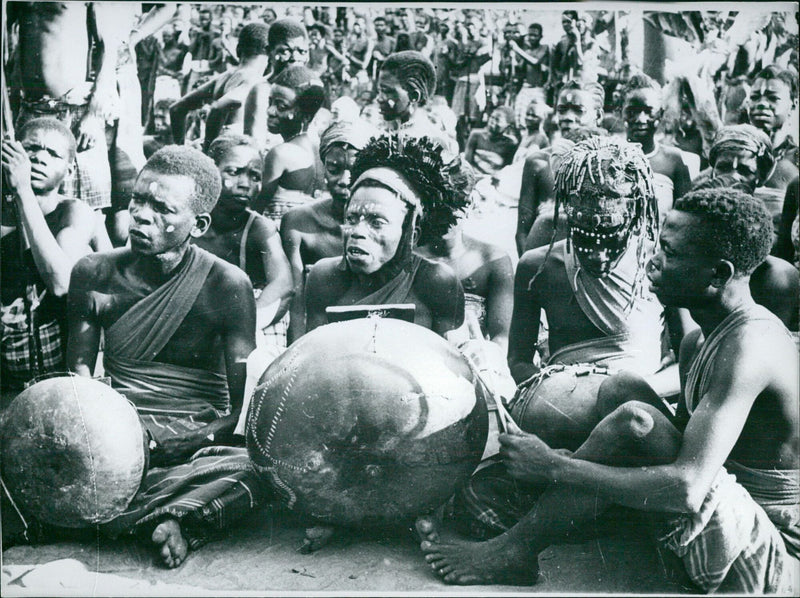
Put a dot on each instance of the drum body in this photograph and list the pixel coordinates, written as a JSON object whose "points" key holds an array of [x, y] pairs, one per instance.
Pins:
{"points": [[559, 403], [74, 451], [367, 422]]}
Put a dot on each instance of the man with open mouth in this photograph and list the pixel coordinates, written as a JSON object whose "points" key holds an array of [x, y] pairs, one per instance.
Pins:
{"points": [[401, 192]]}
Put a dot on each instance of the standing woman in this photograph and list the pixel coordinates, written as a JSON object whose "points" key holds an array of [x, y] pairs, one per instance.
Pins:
{"points": [[292, 169], [405, 83]]}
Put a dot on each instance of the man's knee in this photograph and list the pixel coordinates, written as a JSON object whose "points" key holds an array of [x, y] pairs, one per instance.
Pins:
{"points": [[620, 388], [645, 431]]}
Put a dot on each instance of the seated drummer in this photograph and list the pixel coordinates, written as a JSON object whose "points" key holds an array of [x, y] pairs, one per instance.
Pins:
{"points": [[591, 285], [313, 231], [157, 303], [721, 480], [401, 193]]}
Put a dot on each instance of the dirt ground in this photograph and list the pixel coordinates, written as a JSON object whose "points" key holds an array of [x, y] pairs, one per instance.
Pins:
{"points": [[261, 555]]}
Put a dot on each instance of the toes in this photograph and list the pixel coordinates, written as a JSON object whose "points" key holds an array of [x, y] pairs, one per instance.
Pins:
{"points": [[159, 535]]}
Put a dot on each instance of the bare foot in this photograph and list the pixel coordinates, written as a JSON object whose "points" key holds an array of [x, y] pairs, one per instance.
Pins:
{"points": [[496, 561], [427, 528], [316, 537], [171, 545]]}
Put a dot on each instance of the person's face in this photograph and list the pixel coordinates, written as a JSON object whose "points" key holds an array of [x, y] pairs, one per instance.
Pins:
{"points": [[357, 28], [600, 235], [282, 114], [49, 154], [393, 100], [740, 165], [338, 36], [240, 170], [497, 122], [421, 24], [641, 112], [770, 104], [314, 37], [532, 119], [204, 18], [575, 109], [373, 228], [269, 16], [291, 52], [161, 121], [371, 114], [681, 269], [380, 27], [568, 24], [534, 36], [509, 33], [338, 162], [162, 217]]}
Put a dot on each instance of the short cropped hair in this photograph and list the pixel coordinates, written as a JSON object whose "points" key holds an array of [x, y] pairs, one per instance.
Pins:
{"points": [[253, 40], [572, 14], [788, 76], [283, 30], [738, 226], [307, 85], [51, 124], [536, 26], [220, 147], [415, 72], [181, 160]]}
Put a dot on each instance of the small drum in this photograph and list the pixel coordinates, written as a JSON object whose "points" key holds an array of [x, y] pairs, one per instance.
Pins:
{"points": [[559, 403]]}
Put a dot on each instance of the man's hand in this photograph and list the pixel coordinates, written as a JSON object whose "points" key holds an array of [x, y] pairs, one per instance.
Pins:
{"points": [[527, 457], [90, 130], [178, 449], [17, 168]]}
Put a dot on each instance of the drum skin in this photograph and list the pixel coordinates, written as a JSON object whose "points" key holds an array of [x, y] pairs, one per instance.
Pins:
{"points": [[368, 422], [74, 451], [560, 404]]}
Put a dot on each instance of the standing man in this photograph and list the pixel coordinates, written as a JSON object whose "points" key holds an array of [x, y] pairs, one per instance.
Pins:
{"points": [[226, 93], [534, 69], [288, 45]]}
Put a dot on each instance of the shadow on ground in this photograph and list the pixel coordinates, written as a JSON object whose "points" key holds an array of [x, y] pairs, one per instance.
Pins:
{"points": [[262, 555]]}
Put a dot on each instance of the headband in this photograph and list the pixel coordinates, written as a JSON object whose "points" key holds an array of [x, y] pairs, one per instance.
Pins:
{"points": [[393, 180]]}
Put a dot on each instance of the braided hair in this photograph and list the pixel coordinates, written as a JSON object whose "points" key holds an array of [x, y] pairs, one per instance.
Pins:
{"points": [[419, 160], [616, 176]]}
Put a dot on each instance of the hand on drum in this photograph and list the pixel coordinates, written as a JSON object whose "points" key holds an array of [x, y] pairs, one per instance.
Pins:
{"points": [[527, 457]]}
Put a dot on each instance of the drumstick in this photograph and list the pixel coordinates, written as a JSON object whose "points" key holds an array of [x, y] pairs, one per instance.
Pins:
{"points": [[507, 423]]}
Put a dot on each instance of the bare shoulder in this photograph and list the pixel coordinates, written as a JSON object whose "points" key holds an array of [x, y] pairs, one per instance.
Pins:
{"points": [[489, 252], [262, 229], [533, 259], [325, 270], [434, 278], [777, 276], [300, 217], [95, 270], [226, 280], [74, 212]]}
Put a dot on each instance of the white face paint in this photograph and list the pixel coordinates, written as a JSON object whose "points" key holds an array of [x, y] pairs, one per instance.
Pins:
{"points": [[170, 228], [153, 187], [391, 103]]}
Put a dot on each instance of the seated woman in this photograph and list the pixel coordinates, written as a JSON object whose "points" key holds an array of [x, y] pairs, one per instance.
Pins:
{"points": [[292, 170]]}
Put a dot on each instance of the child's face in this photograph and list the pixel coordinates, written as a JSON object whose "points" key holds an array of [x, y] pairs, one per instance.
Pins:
{"points": [[49, 153]]}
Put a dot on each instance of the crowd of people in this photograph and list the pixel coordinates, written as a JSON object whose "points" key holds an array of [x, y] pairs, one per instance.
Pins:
{"points": [[158, 164]]}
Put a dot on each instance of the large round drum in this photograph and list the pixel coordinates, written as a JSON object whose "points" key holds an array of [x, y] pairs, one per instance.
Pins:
{"points": [[74, 451], [559, 403], [367, 422]]}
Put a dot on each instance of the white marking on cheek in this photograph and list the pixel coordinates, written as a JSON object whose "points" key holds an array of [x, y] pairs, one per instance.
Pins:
{"points": [[170, 228], [227, 183], [153, 187], [391, 103]]}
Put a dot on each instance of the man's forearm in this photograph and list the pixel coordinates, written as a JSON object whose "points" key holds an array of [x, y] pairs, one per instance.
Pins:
{"points": [[661, 488]]}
